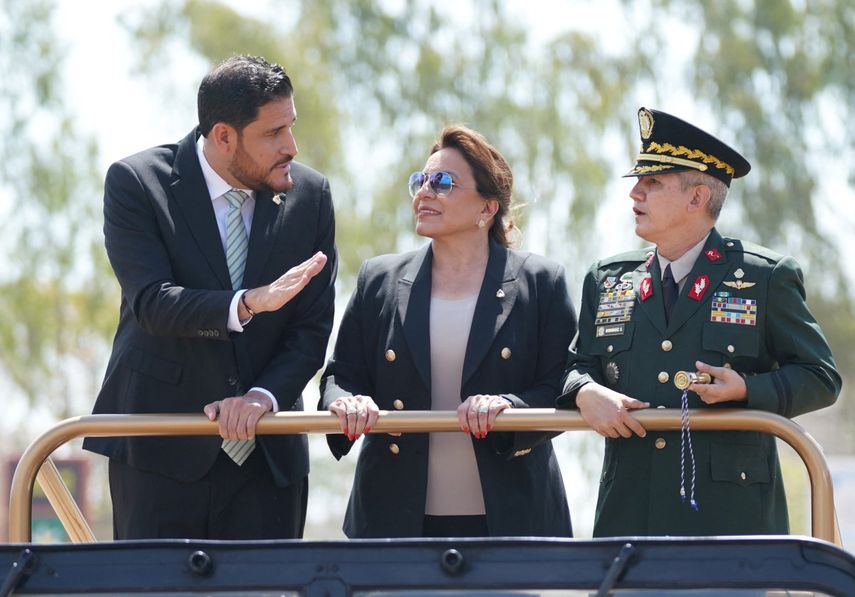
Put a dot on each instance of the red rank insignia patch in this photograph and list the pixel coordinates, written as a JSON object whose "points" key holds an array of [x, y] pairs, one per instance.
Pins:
{"points": [[699, 287], [646, 288], [713, 254]]}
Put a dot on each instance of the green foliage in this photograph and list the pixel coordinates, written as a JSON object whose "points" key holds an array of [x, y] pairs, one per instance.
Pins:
{"points": [[57, 300]]}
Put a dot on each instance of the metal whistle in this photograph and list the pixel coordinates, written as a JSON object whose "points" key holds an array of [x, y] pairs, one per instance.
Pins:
{"points": [[683, 379]]}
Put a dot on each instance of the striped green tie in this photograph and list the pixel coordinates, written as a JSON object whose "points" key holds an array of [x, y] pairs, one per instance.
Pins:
{"points": [[237, 244]]}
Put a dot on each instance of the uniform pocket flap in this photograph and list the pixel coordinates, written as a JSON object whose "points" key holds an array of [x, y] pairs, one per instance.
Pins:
{"points": [[731, 339], [739, 463], [614, 342], [154, 366]]}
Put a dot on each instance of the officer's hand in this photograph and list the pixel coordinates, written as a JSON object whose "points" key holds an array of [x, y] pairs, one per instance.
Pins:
{"points": [[607, 411], [274, 296], [238, 415], [356, 415], [727, 385]]}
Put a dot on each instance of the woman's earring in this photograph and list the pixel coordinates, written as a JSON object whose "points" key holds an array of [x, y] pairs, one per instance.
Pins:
{"points": [[481, 223]]}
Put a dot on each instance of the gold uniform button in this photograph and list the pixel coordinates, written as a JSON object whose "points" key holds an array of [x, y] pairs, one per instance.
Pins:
{"points": [[667, 346], [727, 366], [506, 353], [610, 348], [394, 449], [398, 405], [743, 476], [663, 377], [661, 406], [730, 348], [729, 244], [660, 443], [390, 355]]}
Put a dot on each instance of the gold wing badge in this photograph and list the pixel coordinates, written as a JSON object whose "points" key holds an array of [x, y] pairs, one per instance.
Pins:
{"points": [[739, 284]]}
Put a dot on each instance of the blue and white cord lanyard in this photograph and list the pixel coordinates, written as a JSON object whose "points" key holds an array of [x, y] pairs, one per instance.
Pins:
{"points": [[686, 440]]}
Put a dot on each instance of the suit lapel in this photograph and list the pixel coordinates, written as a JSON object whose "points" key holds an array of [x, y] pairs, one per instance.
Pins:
{"points": [[266, 222], [714, 268], [194, 201], [414, 310], [496, 299], [653, 308]]}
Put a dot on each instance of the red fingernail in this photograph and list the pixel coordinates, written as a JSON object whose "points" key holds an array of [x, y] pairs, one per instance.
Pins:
{"points": [[368, 430], [466, 429]]}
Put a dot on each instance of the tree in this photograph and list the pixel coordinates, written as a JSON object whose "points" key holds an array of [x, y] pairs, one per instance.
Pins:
{"points": [[56, 300]]}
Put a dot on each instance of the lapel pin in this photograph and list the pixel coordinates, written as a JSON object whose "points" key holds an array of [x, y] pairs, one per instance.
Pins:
{"points": [[500, 293], [278, 198]]}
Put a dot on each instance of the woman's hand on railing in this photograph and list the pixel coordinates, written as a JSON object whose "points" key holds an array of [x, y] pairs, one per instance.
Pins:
{"points": [[356, 414], [478, 413]]}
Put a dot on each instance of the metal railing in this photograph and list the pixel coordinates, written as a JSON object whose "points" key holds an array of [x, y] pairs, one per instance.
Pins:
{"points": [[823, 520]]}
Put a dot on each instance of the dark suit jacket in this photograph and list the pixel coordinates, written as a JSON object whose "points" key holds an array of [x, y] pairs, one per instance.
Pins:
{"points": [[389, 311], [172, 352], [748, 313]]}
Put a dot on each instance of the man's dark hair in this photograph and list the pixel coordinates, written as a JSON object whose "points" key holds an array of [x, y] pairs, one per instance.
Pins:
{"points": [[235, 90]]}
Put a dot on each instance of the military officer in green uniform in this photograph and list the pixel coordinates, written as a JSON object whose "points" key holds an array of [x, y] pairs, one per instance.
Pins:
{"points": [[694, 301]]}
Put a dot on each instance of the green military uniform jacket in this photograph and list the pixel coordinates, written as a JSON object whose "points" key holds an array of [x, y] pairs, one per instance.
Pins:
{"points": [[742, 306]]}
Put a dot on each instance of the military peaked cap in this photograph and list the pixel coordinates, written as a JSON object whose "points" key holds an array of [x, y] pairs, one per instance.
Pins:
{"points": [[669, 144]]}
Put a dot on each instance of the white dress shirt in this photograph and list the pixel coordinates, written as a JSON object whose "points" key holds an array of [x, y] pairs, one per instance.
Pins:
{"points": [[217, 188]]}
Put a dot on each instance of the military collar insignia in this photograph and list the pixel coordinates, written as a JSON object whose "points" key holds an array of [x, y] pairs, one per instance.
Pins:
{"points": [[699, 287], [609, 282], [650, 257], [712, 254], [646, 288], [278, 198]]}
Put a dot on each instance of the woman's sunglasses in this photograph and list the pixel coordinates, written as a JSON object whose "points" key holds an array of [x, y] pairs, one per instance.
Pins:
{"points": [[439, 182]]}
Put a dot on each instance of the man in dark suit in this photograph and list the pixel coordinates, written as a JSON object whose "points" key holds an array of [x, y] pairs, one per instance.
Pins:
{"points": [[224, 250], [694, 301]]}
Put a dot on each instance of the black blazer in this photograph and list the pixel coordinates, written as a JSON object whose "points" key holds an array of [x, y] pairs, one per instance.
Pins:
{"points": [[522, 326], [172, 352]]}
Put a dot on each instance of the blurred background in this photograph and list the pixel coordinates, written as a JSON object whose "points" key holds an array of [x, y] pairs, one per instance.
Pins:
{"points": [[554, 85]]}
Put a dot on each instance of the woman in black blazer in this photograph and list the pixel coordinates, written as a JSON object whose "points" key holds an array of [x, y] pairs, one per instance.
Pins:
{"points": [[464, 323]]}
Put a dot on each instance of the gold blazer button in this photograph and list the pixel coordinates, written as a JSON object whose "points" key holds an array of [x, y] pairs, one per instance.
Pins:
{"points": [[391, 356], [506, 353], [398, 405], [394, 449]]}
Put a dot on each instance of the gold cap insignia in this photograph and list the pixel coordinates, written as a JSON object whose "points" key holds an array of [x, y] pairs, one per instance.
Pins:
{"points": [[645, 123]]}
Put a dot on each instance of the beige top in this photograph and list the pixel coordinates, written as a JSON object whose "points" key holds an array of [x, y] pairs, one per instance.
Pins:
{"points": [[454, 486]]}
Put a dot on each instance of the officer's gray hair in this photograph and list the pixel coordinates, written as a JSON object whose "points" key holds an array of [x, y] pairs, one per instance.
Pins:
{"points": [[718, 190]]}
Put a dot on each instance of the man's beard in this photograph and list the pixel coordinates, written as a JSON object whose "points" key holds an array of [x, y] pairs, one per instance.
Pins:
{"points": [[252, 175]]}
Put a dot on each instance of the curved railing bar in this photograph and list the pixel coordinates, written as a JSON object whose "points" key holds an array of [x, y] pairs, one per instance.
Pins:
{"points": [[531, 419]]}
